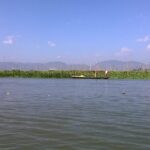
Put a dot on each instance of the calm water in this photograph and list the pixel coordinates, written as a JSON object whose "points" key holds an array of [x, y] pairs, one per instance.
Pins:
{"points": [[63, 114]]}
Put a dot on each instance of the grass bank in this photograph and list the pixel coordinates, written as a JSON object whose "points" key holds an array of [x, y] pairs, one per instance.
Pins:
{"points": [[69, 74]]}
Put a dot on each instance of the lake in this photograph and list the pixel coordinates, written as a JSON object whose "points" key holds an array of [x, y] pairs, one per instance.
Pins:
{"points": [[74, 114]]}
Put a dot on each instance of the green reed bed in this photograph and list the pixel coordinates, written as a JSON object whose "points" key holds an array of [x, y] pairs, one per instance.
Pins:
{"points": [[129, 74], [70, 73]]}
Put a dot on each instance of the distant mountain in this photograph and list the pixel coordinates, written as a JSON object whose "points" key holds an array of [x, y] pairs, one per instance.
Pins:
{"points": [[103, 65], [120, 65], [41, 66]]}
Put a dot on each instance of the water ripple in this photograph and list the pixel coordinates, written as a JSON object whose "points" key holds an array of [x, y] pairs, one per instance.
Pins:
{"points": [[55, 114]]}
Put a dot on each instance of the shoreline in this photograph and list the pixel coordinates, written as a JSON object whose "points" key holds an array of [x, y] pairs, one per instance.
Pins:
{"points": [[70, 74]]}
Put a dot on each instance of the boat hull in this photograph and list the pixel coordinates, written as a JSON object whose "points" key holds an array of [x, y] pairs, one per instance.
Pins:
{"points": [[90, 77]]}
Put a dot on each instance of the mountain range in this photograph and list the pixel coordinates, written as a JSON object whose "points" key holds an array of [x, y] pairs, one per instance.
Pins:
{"points": [[103, 65]]}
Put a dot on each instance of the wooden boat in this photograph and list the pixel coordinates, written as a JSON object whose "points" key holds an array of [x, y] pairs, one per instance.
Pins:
{"points": [[80, 76], [95, 76], [84, 77]]}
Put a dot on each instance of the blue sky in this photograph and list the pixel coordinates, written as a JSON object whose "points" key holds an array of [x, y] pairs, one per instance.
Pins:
{"points": [[74, 31]]}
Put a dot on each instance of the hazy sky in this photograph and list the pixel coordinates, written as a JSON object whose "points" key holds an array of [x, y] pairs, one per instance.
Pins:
{"points": [[74, 31]]}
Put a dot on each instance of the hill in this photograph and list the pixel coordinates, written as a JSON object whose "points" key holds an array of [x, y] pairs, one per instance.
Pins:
{"points": [[103, 65], [120, 65]]}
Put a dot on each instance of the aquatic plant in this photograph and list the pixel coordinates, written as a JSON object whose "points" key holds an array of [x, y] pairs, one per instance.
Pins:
{"points": [[69, 73]]}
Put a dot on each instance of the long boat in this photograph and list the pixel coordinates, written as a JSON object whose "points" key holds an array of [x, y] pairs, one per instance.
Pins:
{"points": [[84, 77]]}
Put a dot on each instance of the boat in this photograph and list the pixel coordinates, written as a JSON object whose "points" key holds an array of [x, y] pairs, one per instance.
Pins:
{"points": [[78, 77], [95, 76], [84, 77]]}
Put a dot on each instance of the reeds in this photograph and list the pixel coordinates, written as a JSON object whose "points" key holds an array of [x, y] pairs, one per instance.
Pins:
{"points": [[68, 74]]}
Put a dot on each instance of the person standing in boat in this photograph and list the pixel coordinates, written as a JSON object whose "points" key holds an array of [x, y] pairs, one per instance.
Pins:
{"points": [[106, 73]]}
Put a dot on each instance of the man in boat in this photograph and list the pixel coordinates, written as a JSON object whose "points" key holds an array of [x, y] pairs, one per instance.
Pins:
{"points": [[106, 72]]}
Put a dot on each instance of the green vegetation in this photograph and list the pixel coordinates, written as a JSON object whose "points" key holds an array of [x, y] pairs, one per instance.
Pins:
{"points": [[130, 74], [68, 74]]}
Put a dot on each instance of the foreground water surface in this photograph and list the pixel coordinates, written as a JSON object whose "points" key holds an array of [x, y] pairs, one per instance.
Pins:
{"points": [[67, 114]]}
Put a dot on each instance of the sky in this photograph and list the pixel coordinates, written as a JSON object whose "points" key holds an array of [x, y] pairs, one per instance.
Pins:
{"points": [[74, 31]]}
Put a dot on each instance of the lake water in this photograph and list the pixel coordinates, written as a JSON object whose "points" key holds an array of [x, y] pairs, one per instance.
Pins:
{"points": [[72, 114]]}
